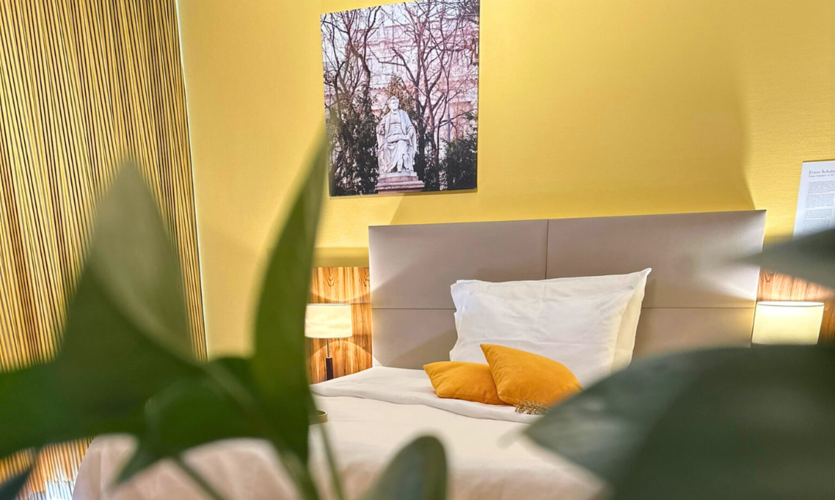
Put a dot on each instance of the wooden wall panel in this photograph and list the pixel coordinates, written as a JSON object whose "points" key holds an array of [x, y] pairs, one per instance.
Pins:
{"points": [[776, 286], [84, 84], [349, 285]]}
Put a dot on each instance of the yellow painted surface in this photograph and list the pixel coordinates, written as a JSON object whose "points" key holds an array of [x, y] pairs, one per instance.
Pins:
{"points": [[588, 108]]}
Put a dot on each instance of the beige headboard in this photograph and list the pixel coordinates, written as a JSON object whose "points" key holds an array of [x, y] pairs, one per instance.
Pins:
{"points": [[696, 296]]}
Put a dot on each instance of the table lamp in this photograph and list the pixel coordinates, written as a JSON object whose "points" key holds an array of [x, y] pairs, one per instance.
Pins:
{"points": [[328, 321], [785, 322]]}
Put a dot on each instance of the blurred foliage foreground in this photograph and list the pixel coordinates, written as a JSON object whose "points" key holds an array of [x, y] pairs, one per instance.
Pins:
{"points": [[725, 423]]}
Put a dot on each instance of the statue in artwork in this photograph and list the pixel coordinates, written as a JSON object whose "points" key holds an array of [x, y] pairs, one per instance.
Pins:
{"points": [[396, 141]]}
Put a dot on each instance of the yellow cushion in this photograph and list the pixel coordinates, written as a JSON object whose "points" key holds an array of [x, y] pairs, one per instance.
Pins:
{"points": [[460, 380], [525, 377]]}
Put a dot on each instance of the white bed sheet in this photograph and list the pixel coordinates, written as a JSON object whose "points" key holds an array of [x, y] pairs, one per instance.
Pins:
{"points": [[411, 387], [371, 415]]}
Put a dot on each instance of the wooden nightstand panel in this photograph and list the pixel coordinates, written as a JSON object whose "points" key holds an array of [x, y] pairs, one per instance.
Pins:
{"points": [[342, 285]]}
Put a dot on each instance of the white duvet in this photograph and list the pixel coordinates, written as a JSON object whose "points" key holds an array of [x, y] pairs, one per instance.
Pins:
{"points": [[371, 415]]}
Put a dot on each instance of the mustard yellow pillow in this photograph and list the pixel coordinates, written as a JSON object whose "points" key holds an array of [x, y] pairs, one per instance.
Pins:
{"points": [[461, 380], [524, 377]]}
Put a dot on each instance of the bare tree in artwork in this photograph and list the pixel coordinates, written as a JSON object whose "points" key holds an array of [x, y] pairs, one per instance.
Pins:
{"points": [[350, 117], [424, 53]]}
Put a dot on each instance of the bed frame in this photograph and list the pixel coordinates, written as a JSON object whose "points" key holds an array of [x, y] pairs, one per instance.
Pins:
{"points": [[697, 295]]}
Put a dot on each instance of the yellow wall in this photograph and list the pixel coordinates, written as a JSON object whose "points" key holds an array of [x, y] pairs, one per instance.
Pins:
{"points": [[588, 107]]}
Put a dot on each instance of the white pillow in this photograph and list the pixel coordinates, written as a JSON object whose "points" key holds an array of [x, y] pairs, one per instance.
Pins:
{"points": [[565, 288], [579, 332]]}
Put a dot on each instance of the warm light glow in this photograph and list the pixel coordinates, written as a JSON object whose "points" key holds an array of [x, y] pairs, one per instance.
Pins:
{"points": [[787, 322], [328, 321]]}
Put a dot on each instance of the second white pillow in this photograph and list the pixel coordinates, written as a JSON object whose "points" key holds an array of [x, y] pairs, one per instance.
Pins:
{"points": [[563, 288]]}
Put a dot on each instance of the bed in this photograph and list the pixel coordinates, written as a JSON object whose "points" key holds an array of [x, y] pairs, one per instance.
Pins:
{"points": [[697, 296]]}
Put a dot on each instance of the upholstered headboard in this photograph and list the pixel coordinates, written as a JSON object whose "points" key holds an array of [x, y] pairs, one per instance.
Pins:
{"points": [[697, 295]]}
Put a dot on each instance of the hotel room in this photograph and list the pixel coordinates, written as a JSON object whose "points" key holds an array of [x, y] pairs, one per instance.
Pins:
{"points": [[434, 249]]}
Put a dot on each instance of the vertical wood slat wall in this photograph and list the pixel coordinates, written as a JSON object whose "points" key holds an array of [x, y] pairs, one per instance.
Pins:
{"points": [[83, 85], [342, 285], [776, 286]]}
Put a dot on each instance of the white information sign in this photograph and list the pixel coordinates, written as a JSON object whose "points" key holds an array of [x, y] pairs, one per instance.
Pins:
{"points": [[816, 199]]}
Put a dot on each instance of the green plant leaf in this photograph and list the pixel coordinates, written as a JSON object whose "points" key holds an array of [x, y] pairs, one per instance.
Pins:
{"points": [[810, 257], [107, 366], [194, 412], [33, 412], [603, 426], [190, 413], [719, 424], [136, 266], [126, 336], [36, 411], [120, 342], [417, 472], [278, 366], [11, 487]]}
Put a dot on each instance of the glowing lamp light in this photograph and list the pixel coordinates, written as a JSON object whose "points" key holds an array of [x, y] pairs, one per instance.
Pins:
{"points": [[785, 322], [328, 321]]}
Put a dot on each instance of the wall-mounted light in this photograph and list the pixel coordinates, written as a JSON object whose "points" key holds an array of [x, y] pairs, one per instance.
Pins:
{"points": [[785, 322]]}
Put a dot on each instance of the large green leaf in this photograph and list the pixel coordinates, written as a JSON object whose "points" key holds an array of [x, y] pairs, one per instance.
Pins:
{"points": [[279, 365], [136, 266], [190, 413], [125, 336], [810, 257], [108, 367], [36, 411], [602, 427], [417, 472], [33, 411], [721, 424]]}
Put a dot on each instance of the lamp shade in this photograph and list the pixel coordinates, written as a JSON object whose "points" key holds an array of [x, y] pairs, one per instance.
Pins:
{"points": [[787, 322], [328, 321]]}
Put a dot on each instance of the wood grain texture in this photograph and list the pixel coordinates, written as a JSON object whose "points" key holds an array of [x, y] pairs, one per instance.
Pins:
{"points": [[343, 285], [776, 286], [84, 84]]}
